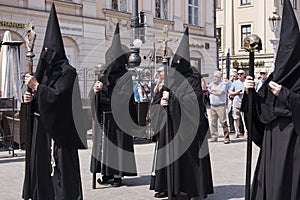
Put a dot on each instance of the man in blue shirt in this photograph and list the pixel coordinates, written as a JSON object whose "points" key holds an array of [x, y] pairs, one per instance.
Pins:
{"points": [[217, 90], [232, 78], [237, 91]]}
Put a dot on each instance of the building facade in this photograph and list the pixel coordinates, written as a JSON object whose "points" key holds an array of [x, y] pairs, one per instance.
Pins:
{"points": [[87, 27], [236, 20]]}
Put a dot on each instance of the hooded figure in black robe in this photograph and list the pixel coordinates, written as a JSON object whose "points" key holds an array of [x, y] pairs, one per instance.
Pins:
{"points": [[186, 162], [115, 158], [52, 163], [276, 128]]}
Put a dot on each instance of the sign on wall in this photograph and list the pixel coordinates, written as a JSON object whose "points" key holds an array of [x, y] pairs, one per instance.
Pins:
{"points": [[71, 29]]}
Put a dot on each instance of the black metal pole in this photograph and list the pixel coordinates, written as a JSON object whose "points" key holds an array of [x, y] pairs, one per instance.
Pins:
{"points": [[13, 127], [227, 65], [168, 160], [94, 180], [134, 21], [215, 35], [97, 97], [250, 129]]}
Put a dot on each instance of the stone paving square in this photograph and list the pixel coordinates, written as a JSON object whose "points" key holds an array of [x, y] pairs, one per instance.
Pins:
{"points": [[228, 167]]}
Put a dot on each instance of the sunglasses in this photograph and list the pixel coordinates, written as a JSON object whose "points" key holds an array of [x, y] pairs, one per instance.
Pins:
{"points": [[240, 73], [262, 73]]}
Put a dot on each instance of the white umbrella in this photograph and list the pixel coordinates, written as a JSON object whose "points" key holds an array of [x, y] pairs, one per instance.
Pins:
{"points": [[10, 68]]}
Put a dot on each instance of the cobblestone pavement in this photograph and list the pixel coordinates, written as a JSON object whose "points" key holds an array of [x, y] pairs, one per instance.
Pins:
{"points": [[228, 165]]}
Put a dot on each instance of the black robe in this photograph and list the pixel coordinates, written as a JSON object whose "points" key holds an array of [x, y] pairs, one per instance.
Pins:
{"points": [[57, 115], [277, 174], [100, 102], [276, 120], [191, 171], [113, 152]]}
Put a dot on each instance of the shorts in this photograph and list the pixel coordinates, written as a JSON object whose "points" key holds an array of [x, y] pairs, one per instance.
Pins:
{"points": [[236, 113]]}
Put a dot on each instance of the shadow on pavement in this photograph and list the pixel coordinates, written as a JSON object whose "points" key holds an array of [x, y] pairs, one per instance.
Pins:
{"points": [[224, 192], [11, 159], [136, 181], [129, 182], [238, 140]]}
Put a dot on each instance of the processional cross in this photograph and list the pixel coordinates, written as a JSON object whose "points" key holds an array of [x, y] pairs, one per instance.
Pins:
{"points": [[30, 39], [165, 41]]}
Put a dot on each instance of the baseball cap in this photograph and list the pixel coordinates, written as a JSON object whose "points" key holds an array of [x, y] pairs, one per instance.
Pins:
{"points": [[160, 69], [241, 71], [263, 70]]}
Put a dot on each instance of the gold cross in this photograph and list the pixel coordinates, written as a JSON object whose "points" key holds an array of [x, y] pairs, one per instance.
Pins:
{"points": [[165, 40]]}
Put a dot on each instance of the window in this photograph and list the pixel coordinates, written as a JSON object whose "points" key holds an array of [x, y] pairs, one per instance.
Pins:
{"points": [[218, 4], [219, 37], [245, 2], [120, 5], [193, 12], [294, 3], [196, 62], [245, 31], [161, 9]]}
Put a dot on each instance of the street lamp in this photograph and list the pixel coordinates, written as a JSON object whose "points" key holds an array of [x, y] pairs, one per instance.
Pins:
{"points": [[135, 58], [274, 24], [138, 23]]}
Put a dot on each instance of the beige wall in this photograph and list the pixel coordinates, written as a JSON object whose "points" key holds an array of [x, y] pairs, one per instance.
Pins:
{"points": [[230, 17], [87, 26]]}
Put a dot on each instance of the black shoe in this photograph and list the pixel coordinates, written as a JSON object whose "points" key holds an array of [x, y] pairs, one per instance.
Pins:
{"points": [[196, 198], [161, 194], [117, 182], [202, 197], [104, 180], [226, 141]]}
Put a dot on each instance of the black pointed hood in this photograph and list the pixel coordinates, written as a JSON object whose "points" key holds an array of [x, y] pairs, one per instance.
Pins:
{"points": [[115, 51], [288, 55], [116, 59], [287, 68], [181, 59], [53, 48]]}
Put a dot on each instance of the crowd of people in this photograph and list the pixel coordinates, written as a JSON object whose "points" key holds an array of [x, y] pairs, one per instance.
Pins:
{"points": [[178, 116], [225, 100]]}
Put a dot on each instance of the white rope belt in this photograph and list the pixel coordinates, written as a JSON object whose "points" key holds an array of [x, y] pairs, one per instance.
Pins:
{"points": [[52, 158]]}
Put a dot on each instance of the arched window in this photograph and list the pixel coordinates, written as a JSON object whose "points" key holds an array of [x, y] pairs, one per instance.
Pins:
{"points": [[196, 61], [71, 49]]}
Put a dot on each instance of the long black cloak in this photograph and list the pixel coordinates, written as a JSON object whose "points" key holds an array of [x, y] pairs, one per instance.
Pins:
{"points": [[113, 152], [116, 155], [57, 110], [190, 169], [276, 125], [191, 174]]}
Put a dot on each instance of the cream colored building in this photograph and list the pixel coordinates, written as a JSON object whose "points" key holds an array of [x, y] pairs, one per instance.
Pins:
{"points": [[87, 27], [238, 18]]}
